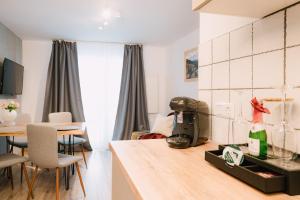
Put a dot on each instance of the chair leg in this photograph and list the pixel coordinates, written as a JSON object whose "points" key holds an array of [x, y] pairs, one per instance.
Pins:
{"points": [[22, 151], [83, 155], [11, 149], [26, 177], [80, 178], [30, 192], [57, 183], [67, 177], [11, 177]]}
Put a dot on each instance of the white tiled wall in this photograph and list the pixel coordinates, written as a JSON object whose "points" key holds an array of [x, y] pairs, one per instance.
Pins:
{"points": [[254, 60], [204, 77], [293, 65], [293, 28], [239, 67], [268, 69], [268, 33], [238, 37], [220, 74], [221, 48], [220, 98], [205, 53]]}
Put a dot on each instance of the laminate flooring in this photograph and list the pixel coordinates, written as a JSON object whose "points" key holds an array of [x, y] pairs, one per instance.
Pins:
{"points": [[97, 180]]}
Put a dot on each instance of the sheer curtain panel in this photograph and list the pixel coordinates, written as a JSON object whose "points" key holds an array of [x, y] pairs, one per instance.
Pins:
{"points": [[100, 69]]}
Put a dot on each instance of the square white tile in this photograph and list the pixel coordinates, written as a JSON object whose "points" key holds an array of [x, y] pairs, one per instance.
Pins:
{"points": [[293, 66], [268, 33], [293, 28], [205, 96], [220, 128], [221, 48], [205, 53], [268, 70], [274, 107], [241, 73], [220, 102], [238, 98], [204, 77], [295, 107], [220, 75], [241, 42]]}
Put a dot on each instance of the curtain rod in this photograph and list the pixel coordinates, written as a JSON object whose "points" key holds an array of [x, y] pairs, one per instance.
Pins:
{"points": [[88, 41]]}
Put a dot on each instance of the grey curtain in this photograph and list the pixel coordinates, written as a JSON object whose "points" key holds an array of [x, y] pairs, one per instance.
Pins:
{"points": [[63, 85], [132, 114]]}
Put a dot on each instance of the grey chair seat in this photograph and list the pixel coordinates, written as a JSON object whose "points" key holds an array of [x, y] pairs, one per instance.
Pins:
{"points": [[7, 160], [65, 160], [20, 142], [77, 140]]}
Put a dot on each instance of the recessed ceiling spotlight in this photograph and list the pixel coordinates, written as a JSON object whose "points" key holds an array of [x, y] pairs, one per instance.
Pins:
{"points": [[107, 14]]}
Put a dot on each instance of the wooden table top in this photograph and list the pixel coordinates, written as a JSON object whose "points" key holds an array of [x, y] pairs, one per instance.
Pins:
{"points": [[155, 171], [74, 128]]}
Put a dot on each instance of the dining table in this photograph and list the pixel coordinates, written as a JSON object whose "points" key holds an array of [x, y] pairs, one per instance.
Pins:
{"points": [[69, 130]]}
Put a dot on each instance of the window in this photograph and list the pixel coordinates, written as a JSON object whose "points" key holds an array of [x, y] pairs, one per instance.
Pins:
{"points": [[100, 70]]}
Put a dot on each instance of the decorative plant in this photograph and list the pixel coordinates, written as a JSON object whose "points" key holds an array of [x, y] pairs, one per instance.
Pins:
{"points": [[10, 106]]}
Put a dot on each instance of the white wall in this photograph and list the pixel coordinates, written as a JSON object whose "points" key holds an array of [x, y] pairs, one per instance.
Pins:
{"points": [[155, 62], [36, 57], [176, 85]]}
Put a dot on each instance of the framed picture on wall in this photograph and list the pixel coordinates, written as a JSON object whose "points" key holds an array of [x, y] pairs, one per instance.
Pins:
{"points": [[191, 64]]}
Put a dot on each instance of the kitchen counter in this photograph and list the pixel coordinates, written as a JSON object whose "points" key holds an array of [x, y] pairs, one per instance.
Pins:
{"points": [[150, 170]]}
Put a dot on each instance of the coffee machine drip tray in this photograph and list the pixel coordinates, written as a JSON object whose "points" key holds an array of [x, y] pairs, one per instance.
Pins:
{"points": [[179, 141]]}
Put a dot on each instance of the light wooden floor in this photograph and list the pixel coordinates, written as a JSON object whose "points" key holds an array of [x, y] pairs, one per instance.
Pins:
{"points": [[97, 180]]}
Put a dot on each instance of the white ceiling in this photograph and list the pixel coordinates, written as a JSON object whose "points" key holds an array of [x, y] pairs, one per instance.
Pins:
{"points": [[142, 21]]}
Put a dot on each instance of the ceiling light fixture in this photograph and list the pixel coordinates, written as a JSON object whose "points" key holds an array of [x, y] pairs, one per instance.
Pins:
{"points": [[108, 15]]}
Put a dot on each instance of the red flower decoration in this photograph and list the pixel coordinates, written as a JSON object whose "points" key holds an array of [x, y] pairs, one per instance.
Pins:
{"points": [[259, 106]]}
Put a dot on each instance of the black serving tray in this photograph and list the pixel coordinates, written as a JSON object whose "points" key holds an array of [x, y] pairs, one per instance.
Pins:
{"points": [[291, 172], [287, 177], [246, 172]]}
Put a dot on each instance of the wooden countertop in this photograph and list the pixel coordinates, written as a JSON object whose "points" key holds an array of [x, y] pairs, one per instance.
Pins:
{"points": [[155, 171]]}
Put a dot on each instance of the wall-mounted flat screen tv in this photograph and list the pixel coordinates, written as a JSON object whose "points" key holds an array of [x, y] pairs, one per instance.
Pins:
{"points": [[12, 78]]}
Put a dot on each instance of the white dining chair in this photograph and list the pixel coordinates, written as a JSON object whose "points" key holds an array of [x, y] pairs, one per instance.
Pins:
{"points": [[43, 152]]}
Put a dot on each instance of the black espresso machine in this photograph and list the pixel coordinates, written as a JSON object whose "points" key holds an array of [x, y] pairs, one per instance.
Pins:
{"points": [[190, 123]]}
